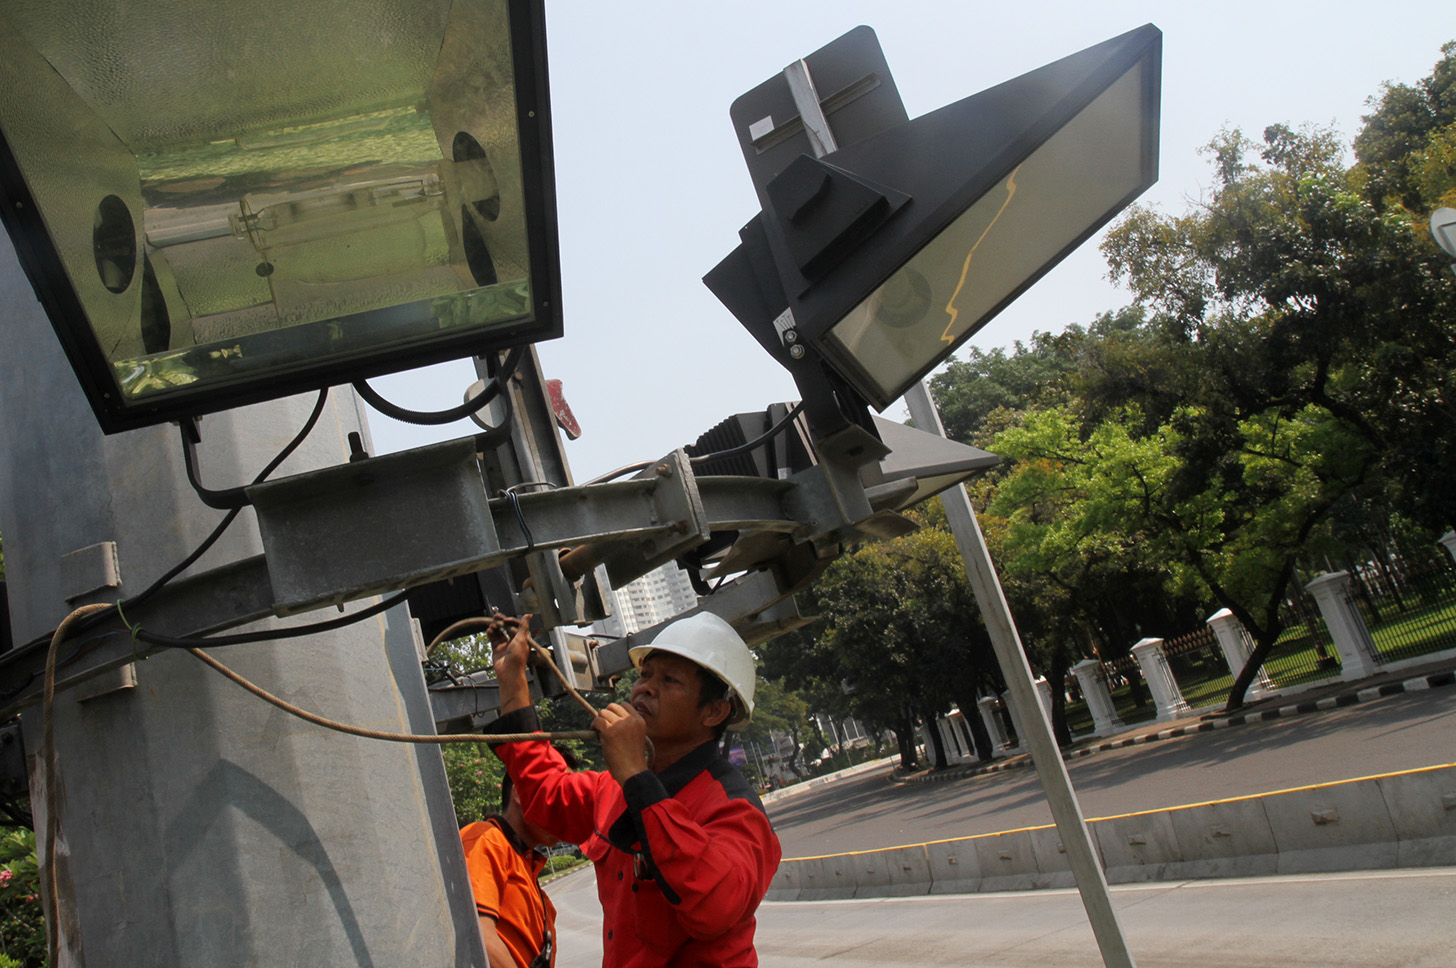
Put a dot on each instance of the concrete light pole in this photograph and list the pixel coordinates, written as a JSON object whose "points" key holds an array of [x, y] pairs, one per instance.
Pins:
{"points": [[199, 826]]}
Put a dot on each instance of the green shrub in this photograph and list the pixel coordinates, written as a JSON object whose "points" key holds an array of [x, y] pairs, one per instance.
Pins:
{"points": [[22, 923]]}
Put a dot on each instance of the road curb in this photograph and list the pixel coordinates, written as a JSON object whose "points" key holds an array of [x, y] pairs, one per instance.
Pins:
{"points": [[1435, 680], [1392, 820]]}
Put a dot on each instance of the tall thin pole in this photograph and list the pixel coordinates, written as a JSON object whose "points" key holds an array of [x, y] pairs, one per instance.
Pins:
{"points": [[1021, 689], [1021, 692]]}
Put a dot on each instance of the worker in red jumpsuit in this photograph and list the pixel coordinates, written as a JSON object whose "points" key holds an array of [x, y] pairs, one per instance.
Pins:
{"points": [[683, 849]]}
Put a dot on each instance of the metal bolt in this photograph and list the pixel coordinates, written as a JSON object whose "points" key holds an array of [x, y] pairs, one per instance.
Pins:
{"points": [[791, 336], [796, 351], [663, 470]]}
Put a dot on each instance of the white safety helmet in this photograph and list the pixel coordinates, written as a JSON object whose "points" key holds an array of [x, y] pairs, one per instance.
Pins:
{"points": [[709, 641]]}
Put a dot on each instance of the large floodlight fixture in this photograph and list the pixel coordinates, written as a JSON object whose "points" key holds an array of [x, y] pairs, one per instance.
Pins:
{"points": [[892, 250], [220, 203]]}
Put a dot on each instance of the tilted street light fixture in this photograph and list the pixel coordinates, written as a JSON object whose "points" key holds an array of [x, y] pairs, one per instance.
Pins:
{"points": [[219, 204], [887, 253]]}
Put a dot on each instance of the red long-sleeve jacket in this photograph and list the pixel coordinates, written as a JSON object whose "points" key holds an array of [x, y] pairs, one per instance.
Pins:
{"points": [[682, 857]]}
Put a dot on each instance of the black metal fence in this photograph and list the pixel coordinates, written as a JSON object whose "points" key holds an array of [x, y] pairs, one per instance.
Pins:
{"points": [[1408, 604], [1199, 667], [1304, 651]]}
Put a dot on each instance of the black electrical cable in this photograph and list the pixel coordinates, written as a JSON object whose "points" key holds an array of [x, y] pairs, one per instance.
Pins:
{"points": [[510, 493], [473, 405], [268, 635], [212, 538], [758, 441], [228, 499], [81, 649], [233, 513], [235, 498]]}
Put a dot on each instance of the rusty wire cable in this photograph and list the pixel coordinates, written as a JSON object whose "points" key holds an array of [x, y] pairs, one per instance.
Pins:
{"points": [[51, 895], [48, 749], [492, 624]]}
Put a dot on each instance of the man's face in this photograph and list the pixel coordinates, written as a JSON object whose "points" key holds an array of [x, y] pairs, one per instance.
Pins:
{"points": [[667, 695]]}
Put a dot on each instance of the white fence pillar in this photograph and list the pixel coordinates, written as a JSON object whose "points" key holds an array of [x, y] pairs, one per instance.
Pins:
{"points": [[1233, 639], [990, 715], [1043, 703], [1358, 655], [948, 737], [1449, 540], [1159, 677], [927, 739], [1105, 720], [955, 721], [1044, 690]]}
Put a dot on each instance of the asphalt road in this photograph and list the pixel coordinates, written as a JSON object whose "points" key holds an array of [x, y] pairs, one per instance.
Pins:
{"points": [[867, 812], [1390, 919], [1372, 919]]}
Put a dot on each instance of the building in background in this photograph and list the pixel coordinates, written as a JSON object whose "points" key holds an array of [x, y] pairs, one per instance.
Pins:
{"points": [[655, 597]]}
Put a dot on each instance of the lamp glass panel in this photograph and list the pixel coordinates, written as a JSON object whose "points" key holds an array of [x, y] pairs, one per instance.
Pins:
{"points": [[958, 281], [240, 189]]}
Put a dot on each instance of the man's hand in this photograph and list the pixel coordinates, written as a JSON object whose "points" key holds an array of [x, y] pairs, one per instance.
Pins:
{"points": [[624, 740], [511, 641]]}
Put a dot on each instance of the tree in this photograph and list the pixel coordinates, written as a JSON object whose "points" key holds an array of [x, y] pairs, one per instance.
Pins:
{"points": [[474, 774], [1079, 579], [777, 709], [901, 633], [1314, 335], [1089, 594], [1406, 143]]}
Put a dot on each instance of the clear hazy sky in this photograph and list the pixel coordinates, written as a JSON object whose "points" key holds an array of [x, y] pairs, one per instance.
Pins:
{"points": [[652, 188]]}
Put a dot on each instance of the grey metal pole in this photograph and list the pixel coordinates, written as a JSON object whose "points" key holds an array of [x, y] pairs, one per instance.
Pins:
{"points": [[1021, 692], [199, 826], [1021, 689]]}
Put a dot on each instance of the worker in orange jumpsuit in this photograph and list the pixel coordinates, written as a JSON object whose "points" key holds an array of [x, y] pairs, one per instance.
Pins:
{"points": [[517, 919], [683, 850]]}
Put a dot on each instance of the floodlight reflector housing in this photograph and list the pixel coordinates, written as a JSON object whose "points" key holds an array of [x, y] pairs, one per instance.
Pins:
{"points": [[1010, 236], [978, 200], [222, 203]]}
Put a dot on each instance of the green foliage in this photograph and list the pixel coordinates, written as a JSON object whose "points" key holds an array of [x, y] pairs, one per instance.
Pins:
{"points": [[1405, 143], [776, 709], [901, 638], [1280, 393], [462, 656], [22, 923], [475, 775]]}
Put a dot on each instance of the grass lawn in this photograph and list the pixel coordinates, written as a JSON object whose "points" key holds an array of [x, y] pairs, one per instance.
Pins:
{"points": [[1420, 630]]}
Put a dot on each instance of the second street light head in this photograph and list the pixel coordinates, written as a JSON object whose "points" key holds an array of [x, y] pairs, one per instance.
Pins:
{"points": [[890, 252], [223, 203]]}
